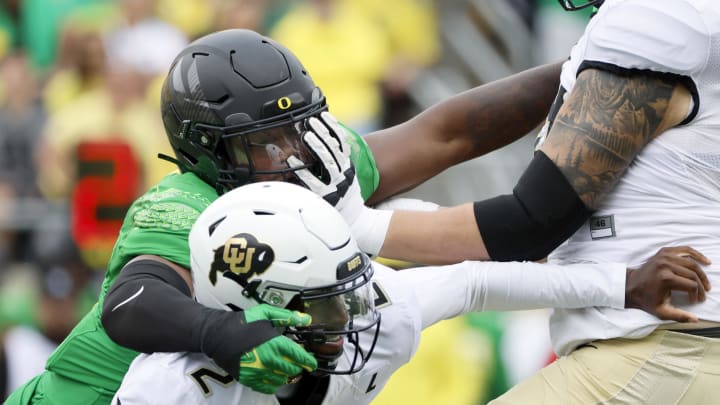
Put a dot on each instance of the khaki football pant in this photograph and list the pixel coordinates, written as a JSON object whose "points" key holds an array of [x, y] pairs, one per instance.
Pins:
{"points": [[666, 367]]}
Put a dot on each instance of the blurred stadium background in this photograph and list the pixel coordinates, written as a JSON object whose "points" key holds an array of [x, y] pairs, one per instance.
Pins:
{"points": [[80, 130]]}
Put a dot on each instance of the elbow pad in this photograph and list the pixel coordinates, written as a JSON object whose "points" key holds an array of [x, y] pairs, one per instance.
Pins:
{"points": [[145, 307], [541, 213], [149, 309]]}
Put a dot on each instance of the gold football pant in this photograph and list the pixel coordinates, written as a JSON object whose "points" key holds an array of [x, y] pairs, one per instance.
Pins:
{"points": [[665, 367]]}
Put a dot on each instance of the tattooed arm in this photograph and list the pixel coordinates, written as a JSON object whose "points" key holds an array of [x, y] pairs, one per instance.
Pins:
{"points": [[462, 127], [605, 122]]}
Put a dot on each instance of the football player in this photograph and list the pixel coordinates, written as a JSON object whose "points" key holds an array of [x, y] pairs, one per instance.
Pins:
{"points": [[234, 105], [629, 158], [277, 245]]}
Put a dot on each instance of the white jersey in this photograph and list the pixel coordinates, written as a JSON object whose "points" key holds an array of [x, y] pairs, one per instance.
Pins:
{"points": [[670, 195], [409, 301]]}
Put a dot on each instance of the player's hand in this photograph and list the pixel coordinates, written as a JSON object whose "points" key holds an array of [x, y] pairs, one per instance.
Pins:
{"points": [[271, 364], [279, 317], [328, 140], [672, 268]]}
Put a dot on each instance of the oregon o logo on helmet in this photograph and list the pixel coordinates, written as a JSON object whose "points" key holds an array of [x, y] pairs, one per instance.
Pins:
{"points": [[284, 103]]}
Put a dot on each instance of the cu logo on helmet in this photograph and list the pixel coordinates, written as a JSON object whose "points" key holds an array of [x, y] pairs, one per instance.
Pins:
{"points": [[240, 258]]}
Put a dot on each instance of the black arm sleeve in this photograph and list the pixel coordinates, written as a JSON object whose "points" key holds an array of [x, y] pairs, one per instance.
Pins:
{"points": [[541, 213], [149, 309]]}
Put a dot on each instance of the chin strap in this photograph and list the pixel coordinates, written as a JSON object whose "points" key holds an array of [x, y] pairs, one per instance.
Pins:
{"points": [[171, 159]]}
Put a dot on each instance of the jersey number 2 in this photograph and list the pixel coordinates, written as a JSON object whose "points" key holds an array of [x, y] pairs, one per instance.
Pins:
{"points": [[108, 178], [204, 373]]}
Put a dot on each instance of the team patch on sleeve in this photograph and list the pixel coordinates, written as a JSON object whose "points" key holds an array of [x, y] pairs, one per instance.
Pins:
{"points": [[602, 227]]}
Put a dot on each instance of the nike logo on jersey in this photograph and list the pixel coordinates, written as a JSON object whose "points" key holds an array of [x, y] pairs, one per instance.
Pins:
{"points": [[137, 294]]}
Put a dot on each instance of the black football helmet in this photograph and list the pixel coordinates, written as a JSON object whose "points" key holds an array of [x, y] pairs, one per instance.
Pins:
{"points": [[571, 5], [234, 106]]}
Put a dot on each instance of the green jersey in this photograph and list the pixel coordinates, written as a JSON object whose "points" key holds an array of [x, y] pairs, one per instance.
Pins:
{"points": [[157, 223], [88, 367]]}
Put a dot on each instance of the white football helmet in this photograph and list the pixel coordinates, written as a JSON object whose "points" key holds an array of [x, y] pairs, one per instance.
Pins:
{"points": [[281, 244]]}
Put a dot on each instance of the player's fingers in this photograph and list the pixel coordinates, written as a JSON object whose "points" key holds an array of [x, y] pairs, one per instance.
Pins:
{"points": [[694, 295], [272, 382], [313, 141], [310, 181], [324, 134], [297, 355], [687, 251], [690, 258], [692, 264], [340, 132], [285, 317], [294, 162], [281, 365], [265, 382], [668, 312], [265, 388], [319, 128], [676, 283], [288, 369], [330, 141], [682, 275], [300, 319]]}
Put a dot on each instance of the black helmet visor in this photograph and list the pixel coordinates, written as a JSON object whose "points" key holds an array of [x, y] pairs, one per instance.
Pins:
{"points": [[265, 152]]}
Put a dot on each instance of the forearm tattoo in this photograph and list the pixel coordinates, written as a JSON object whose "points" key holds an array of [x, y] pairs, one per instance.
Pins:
{"points": [[605, 122]]}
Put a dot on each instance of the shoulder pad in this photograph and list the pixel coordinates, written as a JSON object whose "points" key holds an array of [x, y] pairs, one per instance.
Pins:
{"points": [[659, 35]]}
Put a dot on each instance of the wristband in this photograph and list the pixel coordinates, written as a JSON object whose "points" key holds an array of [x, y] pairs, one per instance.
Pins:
{"points": [[407, 204], [370, 228]]}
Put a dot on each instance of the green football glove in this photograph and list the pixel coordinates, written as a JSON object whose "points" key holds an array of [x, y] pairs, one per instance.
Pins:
{"points": [[271, 364]]}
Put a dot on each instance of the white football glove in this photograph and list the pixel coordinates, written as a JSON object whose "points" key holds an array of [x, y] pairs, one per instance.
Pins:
{"points": [[328, 140]]}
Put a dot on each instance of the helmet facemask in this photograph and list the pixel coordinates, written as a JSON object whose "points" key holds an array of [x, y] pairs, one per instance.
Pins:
{"points": [[572, 5], [340, 313], [258, 152], [263, 152]]}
